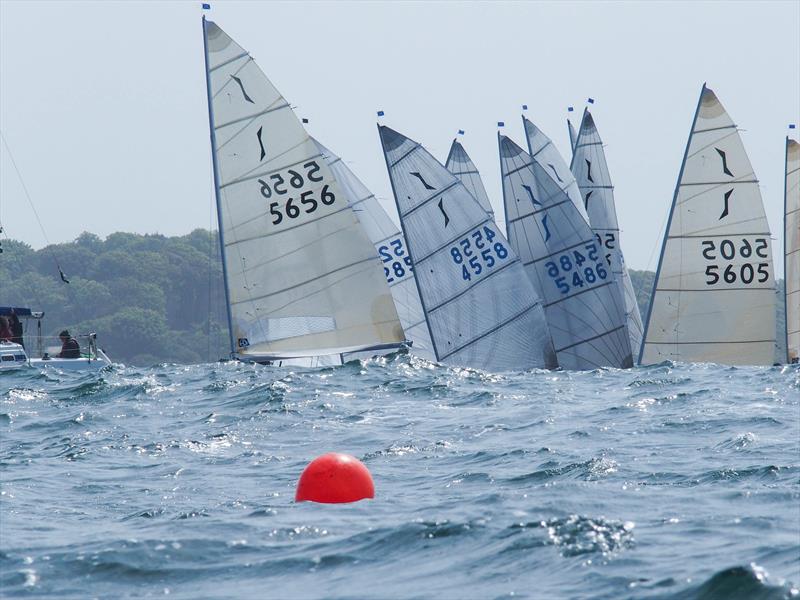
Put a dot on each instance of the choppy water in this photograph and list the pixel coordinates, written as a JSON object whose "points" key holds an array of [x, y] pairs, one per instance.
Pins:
{"points": [[675, 481]]}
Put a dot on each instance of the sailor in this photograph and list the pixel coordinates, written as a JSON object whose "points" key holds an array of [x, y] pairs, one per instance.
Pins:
{"points": [[69, 346]]}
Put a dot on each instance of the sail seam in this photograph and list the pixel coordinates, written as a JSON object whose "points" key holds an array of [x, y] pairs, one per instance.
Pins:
{"points": [[464, 291], [450, 242], [591, 339], [302, 283], [729, 182], [491, 331], [424, 202], [530, 164], [560, 300], [229, 61], [715, 128], [535, 260], [394, 164], [253, 116], [536, 212], [268, 235], [271, 171], [676, 343]]}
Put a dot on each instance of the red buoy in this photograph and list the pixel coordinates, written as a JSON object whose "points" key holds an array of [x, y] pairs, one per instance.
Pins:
{"points": [[335, 478]]}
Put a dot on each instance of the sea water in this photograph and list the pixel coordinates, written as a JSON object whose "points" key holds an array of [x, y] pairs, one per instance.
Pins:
{"points": [[670, 481]]}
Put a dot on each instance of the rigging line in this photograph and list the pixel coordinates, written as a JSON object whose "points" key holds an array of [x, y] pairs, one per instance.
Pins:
{"points": [[33, 208]]}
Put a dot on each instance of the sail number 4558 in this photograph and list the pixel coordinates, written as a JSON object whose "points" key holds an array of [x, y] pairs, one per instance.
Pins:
{"points": [[484, 255], [728, 250], [280, 183]]}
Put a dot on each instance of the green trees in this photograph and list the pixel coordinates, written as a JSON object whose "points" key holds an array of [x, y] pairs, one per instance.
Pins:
{"points": [[149, 298]]}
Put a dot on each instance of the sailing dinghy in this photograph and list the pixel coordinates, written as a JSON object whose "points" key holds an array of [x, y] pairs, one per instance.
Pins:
{"points": [[460, 164], [583, 304], [591, 172], [713, 297], [392, 251], [302, 278], [791, 265], [546, 155], [482, 312]]}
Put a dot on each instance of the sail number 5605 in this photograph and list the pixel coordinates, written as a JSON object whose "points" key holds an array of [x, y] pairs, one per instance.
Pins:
{"points": [[728, 250]]}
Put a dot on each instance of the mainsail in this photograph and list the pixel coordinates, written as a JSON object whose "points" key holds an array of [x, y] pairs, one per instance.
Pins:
{"points": [[545, 154], [460, 164], [392, 251], [481, 310], [572, 136], [583, 304], [791, 265], [714, 294], [591, 171], [302, 278]]}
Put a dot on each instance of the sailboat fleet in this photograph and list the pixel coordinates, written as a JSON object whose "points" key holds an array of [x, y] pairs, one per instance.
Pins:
{"points": [[317, 272]]}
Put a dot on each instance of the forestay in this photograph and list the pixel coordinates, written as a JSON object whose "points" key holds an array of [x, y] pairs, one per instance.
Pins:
{"points": [[714, 293], [302, 277], [392, 251], [583, 304], [460, 164], [791, 238], [591, 172], [481, 309], [544, 152]]}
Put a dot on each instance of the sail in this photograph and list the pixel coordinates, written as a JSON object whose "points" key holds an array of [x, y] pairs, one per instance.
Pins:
{"points": [[544, 152], [583, 305], [591, 172], [572, 136], [481, 310], [714, 294], [301, 276], [460, 164], [791, 265], [392, 251]]}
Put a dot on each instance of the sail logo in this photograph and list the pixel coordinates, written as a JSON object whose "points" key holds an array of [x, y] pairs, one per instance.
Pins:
{"points": [[241, 87], [441, 208], [725, 208], [242, 343], [261, 143], [425, 183]]}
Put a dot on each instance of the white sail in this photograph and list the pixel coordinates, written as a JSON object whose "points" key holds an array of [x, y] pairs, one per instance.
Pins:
{"points": [[302, 278], [572, 136], [392, 251], [791, 238], [591, 172], [583, 304], [460, 164], [544, 152], [714, 294], [481, 310]]}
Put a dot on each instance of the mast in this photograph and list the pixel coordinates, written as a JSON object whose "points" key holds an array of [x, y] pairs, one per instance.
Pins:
{"points": [[669, 224], [786, 247], [216, 190]]}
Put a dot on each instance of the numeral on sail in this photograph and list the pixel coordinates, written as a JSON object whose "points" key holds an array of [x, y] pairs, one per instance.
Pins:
{"points": [[567, 272], [308, 204], [397, 263], [728, 250], [476, 252]]}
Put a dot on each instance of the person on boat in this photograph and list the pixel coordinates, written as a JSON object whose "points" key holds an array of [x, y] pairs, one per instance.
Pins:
{"points": [[5, 331], [16, 328], [69, 346]]}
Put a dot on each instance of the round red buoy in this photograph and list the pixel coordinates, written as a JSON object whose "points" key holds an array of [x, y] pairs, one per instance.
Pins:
{"points": [[335, 478]]}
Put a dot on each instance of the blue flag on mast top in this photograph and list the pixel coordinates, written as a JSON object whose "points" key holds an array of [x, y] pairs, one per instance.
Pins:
{"points": [[380, 113], [460, 132], [206, 6], [501, 124]]}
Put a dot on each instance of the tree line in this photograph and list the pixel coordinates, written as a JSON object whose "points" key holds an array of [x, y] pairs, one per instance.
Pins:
{"points": [[150, 298]]}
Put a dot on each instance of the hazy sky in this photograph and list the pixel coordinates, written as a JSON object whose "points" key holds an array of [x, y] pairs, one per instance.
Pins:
{"points": [[104, 103]]}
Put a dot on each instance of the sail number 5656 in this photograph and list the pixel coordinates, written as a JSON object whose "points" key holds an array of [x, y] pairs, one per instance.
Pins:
{"points": [[280, 183]]}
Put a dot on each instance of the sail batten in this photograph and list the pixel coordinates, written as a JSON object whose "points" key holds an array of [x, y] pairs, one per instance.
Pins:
{"points": [[582, 303], [594, 180], [302, 278], [481, 310], [717, 242]]}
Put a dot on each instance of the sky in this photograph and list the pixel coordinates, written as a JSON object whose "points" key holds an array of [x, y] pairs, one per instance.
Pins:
{"points": [[103, 104]]}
